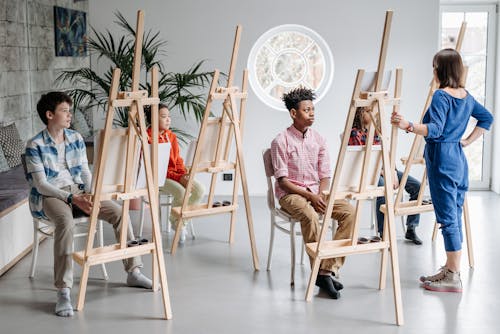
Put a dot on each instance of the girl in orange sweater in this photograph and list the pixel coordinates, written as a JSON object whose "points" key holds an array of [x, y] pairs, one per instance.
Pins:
{"points": [[177, 177]]}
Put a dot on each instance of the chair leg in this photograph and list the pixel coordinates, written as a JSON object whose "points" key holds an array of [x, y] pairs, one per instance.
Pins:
{"points": [[191, 229], [271, 243], [302, 251], [34, 255], [141, 215], [101, 244], [292, 250], [170, 200]]}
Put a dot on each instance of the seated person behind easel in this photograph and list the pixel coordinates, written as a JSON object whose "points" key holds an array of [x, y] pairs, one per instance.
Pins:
{"points": [[60, 179], [302, 169], [177, 177], [358, 136]]}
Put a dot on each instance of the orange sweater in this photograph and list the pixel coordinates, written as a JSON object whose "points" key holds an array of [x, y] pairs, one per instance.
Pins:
{"points": [[176, 168]]}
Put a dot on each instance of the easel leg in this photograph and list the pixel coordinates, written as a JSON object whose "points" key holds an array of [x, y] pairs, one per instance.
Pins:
{"points": [[312, 278], [177, 236], [468, 234], [232, 226], [83, 287], [435, 231], [155, 271], [398, 303]]}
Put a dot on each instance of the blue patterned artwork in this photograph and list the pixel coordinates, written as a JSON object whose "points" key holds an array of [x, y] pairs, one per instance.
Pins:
{"points": [[70, 27]]}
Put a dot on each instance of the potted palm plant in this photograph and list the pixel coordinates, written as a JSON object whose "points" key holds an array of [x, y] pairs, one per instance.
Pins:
{"points": [[182, 92]]}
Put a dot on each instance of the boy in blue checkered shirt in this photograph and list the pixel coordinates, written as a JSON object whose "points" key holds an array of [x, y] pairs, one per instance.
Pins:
{"points": [[60, 179]]}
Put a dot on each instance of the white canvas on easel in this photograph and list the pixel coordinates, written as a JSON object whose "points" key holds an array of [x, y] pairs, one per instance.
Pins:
{"points": [[113, 177], [354, 156], [209, 148], [369, 80], [163, 159]]}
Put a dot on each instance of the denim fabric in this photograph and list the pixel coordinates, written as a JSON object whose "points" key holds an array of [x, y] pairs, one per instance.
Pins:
{"points": [[412, 188]]}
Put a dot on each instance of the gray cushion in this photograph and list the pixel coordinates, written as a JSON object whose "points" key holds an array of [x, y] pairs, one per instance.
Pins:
{"points": [[13, 187], [12, 144], [3, 162]]}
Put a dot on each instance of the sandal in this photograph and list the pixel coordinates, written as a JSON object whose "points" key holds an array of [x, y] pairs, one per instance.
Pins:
{"points": [[226, 203], [216, 204]]}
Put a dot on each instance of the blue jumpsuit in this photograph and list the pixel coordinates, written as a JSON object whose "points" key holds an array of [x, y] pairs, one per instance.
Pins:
{"points": [[446, 121]]}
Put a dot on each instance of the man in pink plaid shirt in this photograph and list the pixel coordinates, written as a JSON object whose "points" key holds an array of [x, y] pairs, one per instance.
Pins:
{"points": [[302, 169]]}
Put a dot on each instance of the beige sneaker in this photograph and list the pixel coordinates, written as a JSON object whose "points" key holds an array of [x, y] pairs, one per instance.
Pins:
{"points": [[449, 281], [432, 278]]}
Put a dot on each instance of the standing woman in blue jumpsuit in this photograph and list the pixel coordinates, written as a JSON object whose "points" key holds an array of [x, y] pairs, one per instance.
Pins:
{"points": [[443, 126]]}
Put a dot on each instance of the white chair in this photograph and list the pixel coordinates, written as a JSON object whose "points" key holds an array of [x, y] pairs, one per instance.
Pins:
{"points": [[43, 227], [280, 219]]}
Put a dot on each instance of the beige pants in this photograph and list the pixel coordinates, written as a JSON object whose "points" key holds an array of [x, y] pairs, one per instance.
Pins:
{"points": [[61, 215], [299, 208]]}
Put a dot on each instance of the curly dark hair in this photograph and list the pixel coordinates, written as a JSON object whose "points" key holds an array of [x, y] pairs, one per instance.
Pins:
{"points": [[295, 96], [49, 102]]}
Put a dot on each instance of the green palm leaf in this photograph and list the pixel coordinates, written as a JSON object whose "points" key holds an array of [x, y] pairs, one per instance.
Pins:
{"points": [[182, 92]]}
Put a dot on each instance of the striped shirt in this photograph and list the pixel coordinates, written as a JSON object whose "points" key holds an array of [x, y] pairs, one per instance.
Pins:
{"points": [[302, 158], [41, 156]]}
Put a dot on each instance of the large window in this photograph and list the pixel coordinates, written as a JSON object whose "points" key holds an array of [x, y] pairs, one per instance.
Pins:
{"points": [[286, 57], [478, 55]]}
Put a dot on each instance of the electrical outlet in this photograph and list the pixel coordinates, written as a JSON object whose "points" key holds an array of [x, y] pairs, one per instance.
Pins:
{"points": [[227, 176]]}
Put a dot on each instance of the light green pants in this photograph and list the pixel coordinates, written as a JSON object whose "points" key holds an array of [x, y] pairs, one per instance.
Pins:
{"points": [[177, 190]]}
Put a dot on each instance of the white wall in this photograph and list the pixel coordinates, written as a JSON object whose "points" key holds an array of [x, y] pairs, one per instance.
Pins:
{"points": [[205, 29]]}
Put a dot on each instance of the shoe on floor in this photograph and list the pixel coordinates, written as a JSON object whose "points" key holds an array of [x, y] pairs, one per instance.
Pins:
{"points": [[337, 285], [432, 278], [449, 281], [325, 282], [412, 236], [138, 280]]}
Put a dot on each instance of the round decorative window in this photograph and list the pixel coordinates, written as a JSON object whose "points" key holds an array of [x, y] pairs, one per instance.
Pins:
{"points": [[286, 57]]}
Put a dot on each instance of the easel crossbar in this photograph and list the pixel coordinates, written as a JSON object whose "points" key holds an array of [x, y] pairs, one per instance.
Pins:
{"points": [[338, 248], [112, 253]]}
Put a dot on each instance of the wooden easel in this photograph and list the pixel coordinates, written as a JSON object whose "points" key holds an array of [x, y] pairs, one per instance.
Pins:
{"points": [[416, 157], [365, 186], [213, 157], [135, 136]]}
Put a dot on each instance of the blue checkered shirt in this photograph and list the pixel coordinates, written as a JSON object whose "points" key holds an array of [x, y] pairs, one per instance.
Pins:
{"points": [[41, 156]]}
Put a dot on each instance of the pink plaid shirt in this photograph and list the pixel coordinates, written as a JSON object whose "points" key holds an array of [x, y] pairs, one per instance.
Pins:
{"points": [[302, 159]]}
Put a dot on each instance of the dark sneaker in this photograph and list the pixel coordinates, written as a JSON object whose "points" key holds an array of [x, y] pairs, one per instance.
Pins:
{"points": [[412, 236], [325, 282], [336, 284]]}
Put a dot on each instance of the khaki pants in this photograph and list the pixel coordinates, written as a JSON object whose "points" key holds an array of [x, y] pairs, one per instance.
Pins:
{"points": [[177, 190], [61, 215], [299, 208]]}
